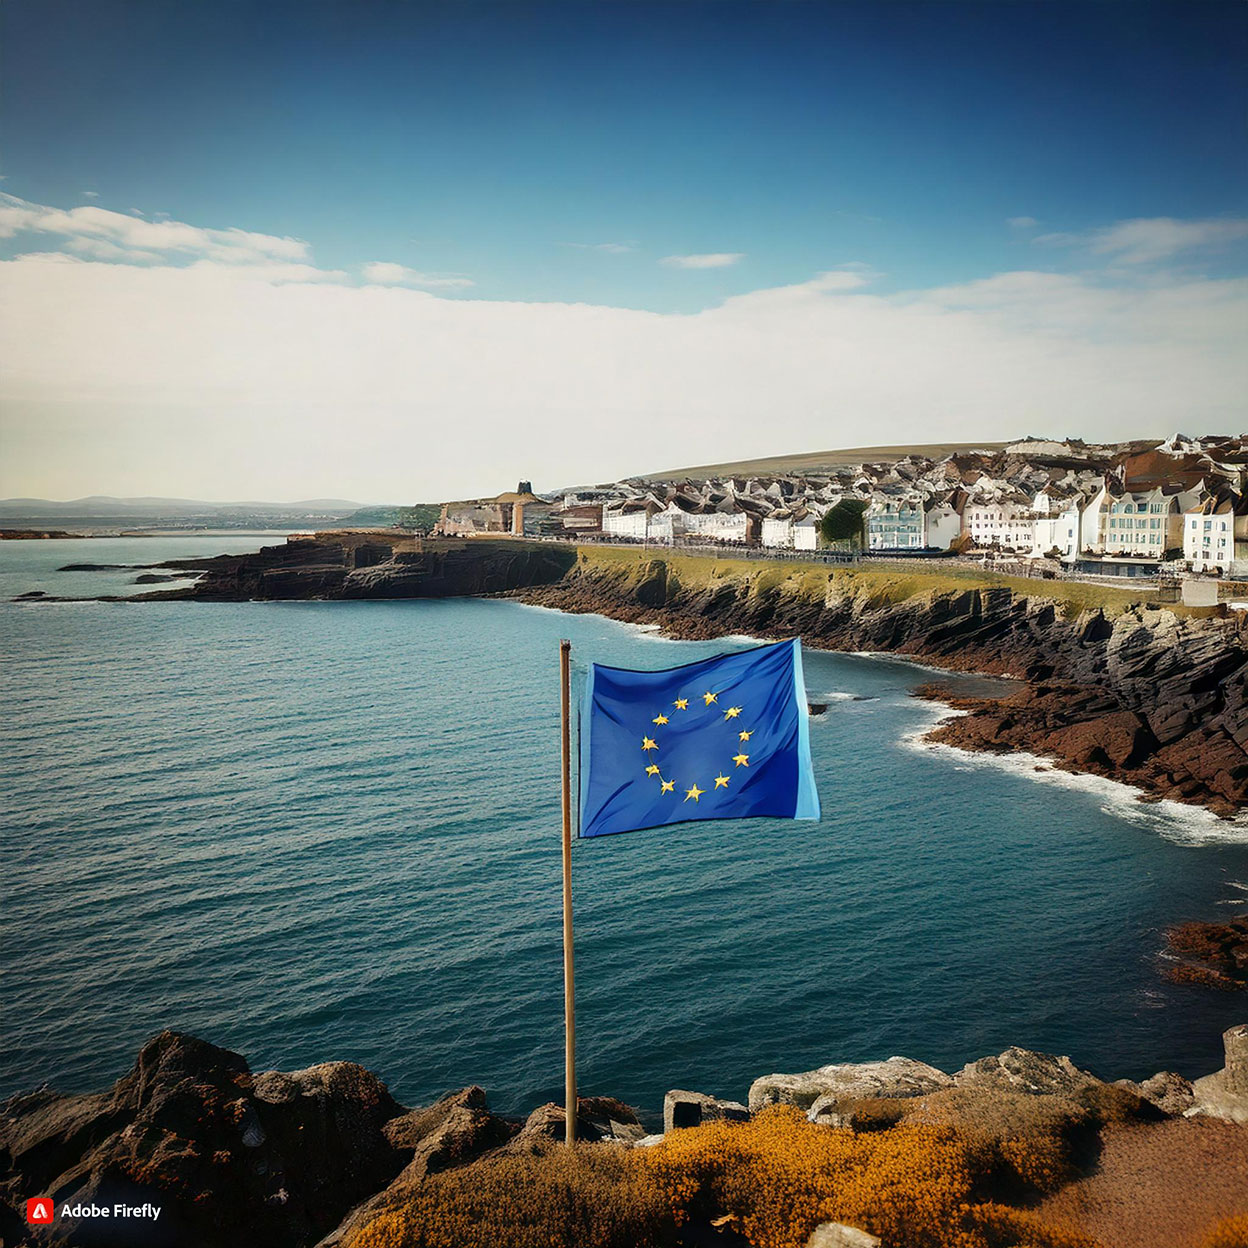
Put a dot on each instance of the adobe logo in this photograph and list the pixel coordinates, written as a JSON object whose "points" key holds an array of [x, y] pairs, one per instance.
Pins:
{"points": [[39, 1211]]}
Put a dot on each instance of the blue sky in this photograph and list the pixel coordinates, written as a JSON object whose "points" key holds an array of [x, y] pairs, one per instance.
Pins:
{"points": [[472, 229], [483, 139]]}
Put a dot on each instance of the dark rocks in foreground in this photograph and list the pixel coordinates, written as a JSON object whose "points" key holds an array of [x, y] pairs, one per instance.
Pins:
{"points": [[309, 1157], [229, 1156]]}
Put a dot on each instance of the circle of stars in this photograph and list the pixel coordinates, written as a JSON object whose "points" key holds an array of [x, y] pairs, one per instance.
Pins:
{"points": [[650, 746]]}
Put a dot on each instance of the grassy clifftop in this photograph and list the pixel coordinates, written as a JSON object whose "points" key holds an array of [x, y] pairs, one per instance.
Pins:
{"points": [[878, 586]]}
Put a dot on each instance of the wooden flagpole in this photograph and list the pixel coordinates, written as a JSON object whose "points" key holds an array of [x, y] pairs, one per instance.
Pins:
{"points": [[569, 1010]]}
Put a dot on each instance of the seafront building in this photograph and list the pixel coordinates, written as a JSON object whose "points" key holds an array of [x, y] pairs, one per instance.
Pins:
{"points": [[1215, 534], [1113, 509]]}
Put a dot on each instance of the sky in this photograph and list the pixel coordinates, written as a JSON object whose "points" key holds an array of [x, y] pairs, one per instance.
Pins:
{"points": [[411, 251]]}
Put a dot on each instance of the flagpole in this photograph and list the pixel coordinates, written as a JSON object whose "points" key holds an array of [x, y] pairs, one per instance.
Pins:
{"points": [[569, 1010]]}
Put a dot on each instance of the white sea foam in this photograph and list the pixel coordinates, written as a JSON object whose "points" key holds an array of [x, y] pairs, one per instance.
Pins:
{"points": [[890, 656], [834, 695], [1176, 821]]}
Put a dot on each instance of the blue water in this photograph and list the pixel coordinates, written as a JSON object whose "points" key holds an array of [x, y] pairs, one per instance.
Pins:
{"points": [[331, 830]]}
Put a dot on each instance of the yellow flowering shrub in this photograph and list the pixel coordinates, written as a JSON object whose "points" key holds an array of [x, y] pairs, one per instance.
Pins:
{"points": [[1020, 1142], [1229, 1233], [776, 1177], [779, 1176], [592, 1196]]}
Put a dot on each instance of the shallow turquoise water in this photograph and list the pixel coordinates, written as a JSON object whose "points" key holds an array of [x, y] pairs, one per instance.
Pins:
{"points": [[331, 830]]}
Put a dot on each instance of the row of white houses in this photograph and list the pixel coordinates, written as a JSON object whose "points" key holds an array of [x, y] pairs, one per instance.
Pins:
{"points": [[1210, 530]]}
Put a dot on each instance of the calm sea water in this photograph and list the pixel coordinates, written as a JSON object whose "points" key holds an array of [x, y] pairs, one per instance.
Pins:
{"points": [[308, 831]]}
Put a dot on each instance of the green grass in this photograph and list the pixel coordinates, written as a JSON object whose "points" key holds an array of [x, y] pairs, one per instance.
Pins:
{"points": [[880, 586]]}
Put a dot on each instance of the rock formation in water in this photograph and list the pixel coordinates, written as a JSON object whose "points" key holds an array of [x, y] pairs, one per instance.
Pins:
{"points": [[372, 565]]}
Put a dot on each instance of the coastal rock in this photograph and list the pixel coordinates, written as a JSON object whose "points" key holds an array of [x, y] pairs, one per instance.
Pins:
{"points": [[1224, 1094], [372, 565], [598, 1119], [839, 1235], [1212, 954], [692, 1109], [829, 1091], [453, 1132], [1022, 1070], [191, 1130], [1169, 1092]]}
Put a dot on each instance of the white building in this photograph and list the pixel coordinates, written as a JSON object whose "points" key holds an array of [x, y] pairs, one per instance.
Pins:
{"points": [[717, 526], [941, 524], [806, 532], [1145, 524], [1059, 530], [1092, 517], [1215, 535], [791, 530], [895, 524], [999, 522]]}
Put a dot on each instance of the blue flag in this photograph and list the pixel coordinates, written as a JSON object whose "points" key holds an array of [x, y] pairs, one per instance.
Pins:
{"points": [[726, 738]]}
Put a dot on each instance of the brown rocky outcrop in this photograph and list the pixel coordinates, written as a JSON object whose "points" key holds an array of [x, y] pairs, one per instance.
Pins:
{"points": [[192, 1130], [1147, 696], [598, 1118], [1212, 954], [372, 565]]}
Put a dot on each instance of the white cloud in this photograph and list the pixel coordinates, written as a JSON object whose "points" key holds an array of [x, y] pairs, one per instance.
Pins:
{"points": [[91, 194], [612, 249], [386, 273], [128, 233], [1021, 223], [1150, 239], [709, 260], [224, 380]]}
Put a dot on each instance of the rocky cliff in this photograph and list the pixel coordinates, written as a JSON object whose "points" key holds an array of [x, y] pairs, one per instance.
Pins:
{"points": [[372, 565], [1153, 697]]}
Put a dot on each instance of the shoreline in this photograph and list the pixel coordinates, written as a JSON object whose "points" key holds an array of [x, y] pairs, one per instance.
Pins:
{"points": [[1155, 698]]}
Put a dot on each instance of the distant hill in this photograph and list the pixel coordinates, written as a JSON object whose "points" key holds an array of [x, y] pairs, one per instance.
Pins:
{"points": [[104, 504], [813, 461]]}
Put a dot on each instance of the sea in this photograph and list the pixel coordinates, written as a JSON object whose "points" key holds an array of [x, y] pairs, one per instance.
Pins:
{"points": [[309, 831]]}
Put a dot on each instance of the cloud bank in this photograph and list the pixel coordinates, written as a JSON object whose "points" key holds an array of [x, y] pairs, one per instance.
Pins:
{"points": [[218, 378]]}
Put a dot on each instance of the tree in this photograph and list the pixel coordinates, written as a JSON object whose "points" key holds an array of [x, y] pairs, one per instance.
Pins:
{"points": [[844, 521]]}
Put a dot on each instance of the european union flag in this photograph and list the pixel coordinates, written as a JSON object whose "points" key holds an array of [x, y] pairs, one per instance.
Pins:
{"points": [[725, 738]]}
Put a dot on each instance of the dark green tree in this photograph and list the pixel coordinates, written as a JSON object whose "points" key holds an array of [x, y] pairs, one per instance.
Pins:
{"points": [[843, 523]]}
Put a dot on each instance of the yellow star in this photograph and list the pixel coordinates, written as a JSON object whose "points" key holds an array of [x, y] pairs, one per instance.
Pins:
{"points": [[695, 793], [647, 743], [708, 698], [741, 760], [667, 786], [652, 770], [721, 782], [681, 704], [745, 736], [732, 712], [659, 719]]}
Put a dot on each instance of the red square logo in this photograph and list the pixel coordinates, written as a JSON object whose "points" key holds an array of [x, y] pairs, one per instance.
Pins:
{"points": [[39, 1211]]}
